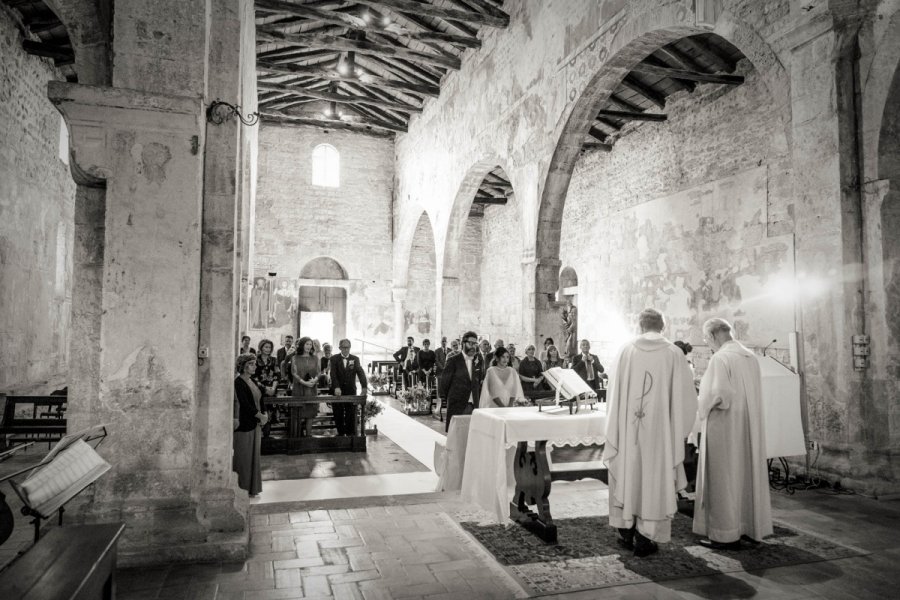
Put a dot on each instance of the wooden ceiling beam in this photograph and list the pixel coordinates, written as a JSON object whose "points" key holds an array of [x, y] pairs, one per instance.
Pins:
{"points": [[687, 85], [628, 106], [353, 22], [645, 69], [632, 116], [328, 42], [599, 146], [404, 69], [62, 55], [635, 85], [490, 200], [608, 123], [282, 117], [708, 53], [497, 19], [598, 135], [364, 79], [340, 98], [376, 94]]}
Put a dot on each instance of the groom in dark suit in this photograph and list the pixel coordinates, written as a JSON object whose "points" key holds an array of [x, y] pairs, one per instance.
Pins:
{"points": [[345, 369], [461, 379]]}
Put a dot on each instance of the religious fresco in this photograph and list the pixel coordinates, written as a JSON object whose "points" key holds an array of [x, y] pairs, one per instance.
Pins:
{"points": [[695, 254], [273, 303]]}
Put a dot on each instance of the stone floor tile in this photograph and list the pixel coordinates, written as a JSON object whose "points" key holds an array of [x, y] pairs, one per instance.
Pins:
{"points": [[319, 515], [418, 574], [354, 576], [291, 593], [347, 532], [380, 592], [416, 589], [338, 514], [288, 578], [295, 563], [282, 544], [361, 562], [279, 519], [396, 510], [453, 565], [300, 516], [315, 537], [341, 543], [452, 581], [316, 585], [334, 556], [312, 527], [346, 591], [376, 511], [325, 570], [307, 550], [358, 513]]}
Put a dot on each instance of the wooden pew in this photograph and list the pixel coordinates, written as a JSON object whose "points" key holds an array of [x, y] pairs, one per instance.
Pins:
{"points": [[67, 563], [43, 418]]}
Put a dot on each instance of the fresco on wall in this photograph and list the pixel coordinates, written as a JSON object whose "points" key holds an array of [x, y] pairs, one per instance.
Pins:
{"points": [[695, 254]]}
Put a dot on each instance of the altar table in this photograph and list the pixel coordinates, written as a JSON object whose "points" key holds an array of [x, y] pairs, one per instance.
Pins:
{"points": [[497, 457]]}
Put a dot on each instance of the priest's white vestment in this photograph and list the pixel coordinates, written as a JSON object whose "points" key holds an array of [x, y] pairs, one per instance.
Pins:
{"points": [[650, 405], [732, 481], [503, 383]]}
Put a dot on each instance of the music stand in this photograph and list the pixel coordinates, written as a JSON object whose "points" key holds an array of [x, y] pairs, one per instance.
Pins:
{"points": [[60, 476], [569, 387]]}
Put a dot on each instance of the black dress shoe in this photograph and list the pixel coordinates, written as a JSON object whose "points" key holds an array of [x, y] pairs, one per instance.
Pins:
{"points": [[644, 550], [713, 545]]}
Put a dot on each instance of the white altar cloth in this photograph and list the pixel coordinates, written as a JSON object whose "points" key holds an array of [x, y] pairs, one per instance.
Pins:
{"points": [[488, 479], [450, 454]]}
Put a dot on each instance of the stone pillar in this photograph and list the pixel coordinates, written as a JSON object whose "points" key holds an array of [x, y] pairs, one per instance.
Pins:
{"points": [[829, 242], [144, 382], [541, 307], [399, 296], [448, 310]]}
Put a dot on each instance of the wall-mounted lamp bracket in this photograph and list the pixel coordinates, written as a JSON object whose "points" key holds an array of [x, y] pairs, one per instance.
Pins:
{"points": [[219, 112]]}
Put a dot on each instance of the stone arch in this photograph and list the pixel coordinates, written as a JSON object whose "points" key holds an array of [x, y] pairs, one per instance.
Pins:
{"points": [[323, 267], [89, 24], [420, 306], [568, 279], [451, 303], [641, 35]]}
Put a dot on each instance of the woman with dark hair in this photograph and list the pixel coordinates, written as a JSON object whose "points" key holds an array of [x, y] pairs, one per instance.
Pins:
{"points": [[553, 358], [531, 369], [547, 343], [501, 385], [305, 371], [247, 421], [266, 378]]}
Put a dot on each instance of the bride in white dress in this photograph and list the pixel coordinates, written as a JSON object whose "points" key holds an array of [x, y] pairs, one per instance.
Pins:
{"points": [[501, 386]]}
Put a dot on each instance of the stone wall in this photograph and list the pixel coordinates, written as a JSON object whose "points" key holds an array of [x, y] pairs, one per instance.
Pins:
{"points": [[37, 199], [471, 253], [297, 222], [501, 274], [421, 305], [690, 216]]}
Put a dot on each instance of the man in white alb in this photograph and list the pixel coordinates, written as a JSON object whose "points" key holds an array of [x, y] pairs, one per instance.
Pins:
{"points": [[651, 403], [732, 483]]}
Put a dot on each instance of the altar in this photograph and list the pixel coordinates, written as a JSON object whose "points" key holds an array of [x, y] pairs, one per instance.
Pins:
{"points": [[504, 476]]}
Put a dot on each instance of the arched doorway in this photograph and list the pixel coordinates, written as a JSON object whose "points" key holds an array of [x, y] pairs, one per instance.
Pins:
{"points": [[321, 305]]}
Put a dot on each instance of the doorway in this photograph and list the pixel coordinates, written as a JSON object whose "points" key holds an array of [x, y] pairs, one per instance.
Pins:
{"points": [[322, 313]]}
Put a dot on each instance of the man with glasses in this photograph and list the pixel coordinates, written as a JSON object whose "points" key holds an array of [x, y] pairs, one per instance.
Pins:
{"points": [[345, 369], [461, 380]]}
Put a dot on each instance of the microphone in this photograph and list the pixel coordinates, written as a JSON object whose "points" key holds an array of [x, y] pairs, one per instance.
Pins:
{"points": [[768, 346]]}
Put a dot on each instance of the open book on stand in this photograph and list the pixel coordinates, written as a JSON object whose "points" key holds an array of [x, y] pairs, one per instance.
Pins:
{"points": [[570, 388]]}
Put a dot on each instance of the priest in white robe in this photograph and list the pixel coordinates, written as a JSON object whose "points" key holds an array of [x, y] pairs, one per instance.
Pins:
{"points": [[651, 404], [732, 482]]}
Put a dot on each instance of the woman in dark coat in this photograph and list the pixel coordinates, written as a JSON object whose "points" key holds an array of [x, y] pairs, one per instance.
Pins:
{"points": [[305, 371], [247, 421]]}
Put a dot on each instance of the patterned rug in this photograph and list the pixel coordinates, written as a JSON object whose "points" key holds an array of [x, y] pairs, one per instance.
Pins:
{"points": [[588, 555]]}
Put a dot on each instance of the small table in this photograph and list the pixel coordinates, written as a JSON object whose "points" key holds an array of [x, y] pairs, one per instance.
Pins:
{"points": [[497, 456]]}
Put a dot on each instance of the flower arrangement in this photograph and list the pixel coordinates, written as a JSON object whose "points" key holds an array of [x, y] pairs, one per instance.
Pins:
{"points": [[416, 400], [373, 409], [379, 380]]}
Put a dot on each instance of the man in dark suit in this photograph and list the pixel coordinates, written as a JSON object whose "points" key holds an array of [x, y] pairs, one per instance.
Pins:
{"points": [[345, 369], [406, 356], [440, 357], [588, 366], [283, 353], [461, 380], [425, 361]]}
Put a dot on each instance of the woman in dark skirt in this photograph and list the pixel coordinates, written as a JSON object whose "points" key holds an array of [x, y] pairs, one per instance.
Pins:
{"points": [[247, 421], [305, 370]]}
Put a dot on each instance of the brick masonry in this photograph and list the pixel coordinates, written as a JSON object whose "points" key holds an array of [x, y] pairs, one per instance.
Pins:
{"points": [[37, 200], [421, 299]]}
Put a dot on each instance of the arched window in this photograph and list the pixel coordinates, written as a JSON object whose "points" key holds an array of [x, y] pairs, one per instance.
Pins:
{"points": [[326, 166]]}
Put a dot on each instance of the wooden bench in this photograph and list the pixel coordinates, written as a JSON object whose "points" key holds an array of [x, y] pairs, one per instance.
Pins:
{"points": [[46, 422], [76, 562], [573, 471]]}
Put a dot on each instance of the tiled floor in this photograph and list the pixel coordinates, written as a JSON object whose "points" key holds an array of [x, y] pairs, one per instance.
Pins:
{"points": [[412, 547]]}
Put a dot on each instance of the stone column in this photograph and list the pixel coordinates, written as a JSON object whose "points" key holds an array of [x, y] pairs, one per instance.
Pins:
{"points": [[448, 310], [399, 296], [541, 308], [144, 382], [828, 240]]}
